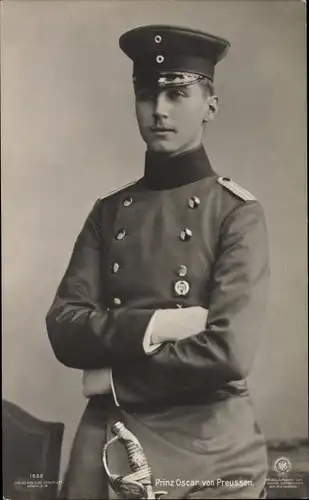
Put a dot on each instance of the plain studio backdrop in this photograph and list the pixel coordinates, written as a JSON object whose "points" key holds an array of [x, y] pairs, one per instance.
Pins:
{"points": [[69, 136]]}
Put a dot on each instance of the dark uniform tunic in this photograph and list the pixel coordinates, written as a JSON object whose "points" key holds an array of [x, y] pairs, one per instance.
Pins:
{"points": [[188, 402]]}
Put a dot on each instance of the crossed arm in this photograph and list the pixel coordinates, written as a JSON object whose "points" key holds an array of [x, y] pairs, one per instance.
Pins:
{"points": [[84, 336]]}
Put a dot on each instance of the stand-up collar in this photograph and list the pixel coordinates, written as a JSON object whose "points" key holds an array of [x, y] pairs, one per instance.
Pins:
{"points": [[167, 172]]}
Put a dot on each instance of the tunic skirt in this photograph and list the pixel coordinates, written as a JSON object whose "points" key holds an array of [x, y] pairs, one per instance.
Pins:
{"points": [[195, 451]]}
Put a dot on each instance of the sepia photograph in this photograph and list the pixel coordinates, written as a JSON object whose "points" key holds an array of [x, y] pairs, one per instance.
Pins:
{"points": [[154, 249]]}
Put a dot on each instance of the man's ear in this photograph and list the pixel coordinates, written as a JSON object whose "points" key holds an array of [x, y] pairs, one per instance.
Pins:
{"points": [[212, 108]]}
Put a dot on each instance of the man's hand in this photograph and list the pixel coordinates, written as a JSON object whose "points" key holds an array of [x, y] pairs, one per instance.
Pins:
{"points": [[177, 324]]}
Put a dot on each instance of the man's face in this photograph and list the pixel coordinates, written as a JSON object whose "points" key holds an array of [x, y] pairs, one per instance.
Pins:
{"points": [[170, 120]]}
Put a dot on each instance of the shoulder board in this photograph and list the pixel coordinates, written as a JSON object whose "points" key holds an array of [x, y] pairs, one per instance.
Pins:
{"points": [[119, 189], [236, 189]]}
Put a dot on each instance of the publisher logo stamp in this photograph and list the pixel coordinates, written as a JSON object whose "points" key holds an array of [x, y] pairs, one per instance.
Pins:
{"points": [[282, 466]]}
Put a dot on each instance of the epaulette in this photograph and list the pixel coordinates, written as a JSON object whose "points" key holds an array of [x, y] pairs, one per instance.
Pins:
{"points": [[119, 189], [235, 189]]}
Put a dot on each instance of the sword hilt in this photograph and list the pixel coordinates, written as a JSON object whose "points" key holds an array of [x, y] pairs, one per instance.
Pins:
{"points": [[138, 484]]}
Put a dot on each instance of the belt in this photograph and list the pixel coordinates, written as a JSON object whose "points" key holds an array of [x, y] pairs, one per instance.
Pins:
{"points": [[106, 400]]}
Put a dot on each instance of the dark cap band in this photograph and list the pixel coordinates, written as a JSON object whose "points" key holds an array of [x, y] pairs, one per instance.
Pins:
{"points": [[174, 62], [165, 79]]}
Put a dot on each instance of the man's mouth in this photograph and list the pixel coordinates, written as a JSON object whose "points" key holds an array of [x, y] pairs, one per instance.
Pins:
{"points": [[162, 129]]}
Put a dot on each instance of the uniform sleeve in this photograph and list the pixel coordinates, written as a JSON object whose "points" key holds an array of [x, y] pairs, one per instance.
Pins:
{"points": [[224, 351], [83, 334]]}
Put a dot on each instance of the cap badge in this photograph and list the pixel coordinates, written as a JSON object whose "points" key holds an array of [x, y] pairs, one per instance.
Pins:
{"points": [[177, 78]]}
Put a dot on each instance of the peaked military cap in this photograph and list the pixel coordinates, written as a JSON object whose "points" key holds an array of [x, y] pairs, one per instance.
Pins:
{"points": [[172, 55]]}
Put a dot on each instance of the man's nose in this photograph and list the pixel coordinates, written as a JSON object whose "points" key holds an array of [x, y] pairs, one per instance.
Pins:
{"points": [[160, 108]]}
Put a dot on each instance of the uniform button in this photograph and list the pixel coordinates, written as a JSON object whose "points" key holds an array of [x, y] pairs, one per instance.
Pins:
{"points": [[160, 59], [194, 202], [158, 38], [115, 267], [121, 234], [186, 234], [182, 270], [127, 201], [182, 287], [116, 301]]}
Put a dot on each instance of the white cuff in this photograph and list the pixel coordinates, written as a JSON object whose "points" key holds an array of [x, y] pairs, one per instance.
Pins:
{"points": [[147, 346], [96, 382]]}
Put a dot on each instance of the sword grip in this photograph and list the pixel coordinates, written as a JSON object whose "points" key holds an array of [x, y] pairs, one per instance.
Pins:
{"points": [[136, 456], [139, 483]]}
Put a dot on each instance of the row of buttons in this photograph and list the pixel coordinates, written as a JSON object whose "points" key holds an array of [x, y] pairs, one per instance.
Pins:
{"points": [[193, 202], [181, 287], [181, 271], [185, 234]]}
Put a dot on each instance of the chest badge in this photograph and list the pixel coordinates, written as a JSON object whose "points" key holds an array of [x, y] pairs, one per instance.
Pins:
{"points": [[182, 287]]}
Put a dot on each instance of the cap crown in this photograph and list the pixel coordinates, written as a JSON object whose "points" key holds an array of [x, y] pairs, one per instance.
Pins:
{"points": [[173, 48]]}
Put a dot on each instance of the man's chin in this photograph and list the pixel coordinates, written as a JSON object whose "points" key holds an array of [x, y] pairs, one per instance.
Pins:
{"points": [[161, 147]]}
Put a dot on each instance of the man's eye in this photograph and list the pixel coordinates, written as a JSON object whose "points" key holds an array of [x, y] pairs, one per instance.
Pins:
{"points": [[176, 94]]}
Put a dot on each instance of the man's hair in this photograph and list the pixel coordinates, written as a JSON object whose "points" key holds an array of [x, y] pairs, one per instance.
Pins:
{"points": [[208, 87]]}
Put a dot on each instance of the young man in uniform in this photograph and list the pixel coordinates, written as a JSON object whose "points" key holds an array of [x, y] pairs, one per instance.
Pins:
{"points": [[162, 303]]}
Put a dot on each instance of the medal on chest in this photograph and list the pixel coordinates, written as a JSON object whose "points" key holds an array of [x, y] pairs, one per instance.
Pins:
{"points": [[182, 288]]}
